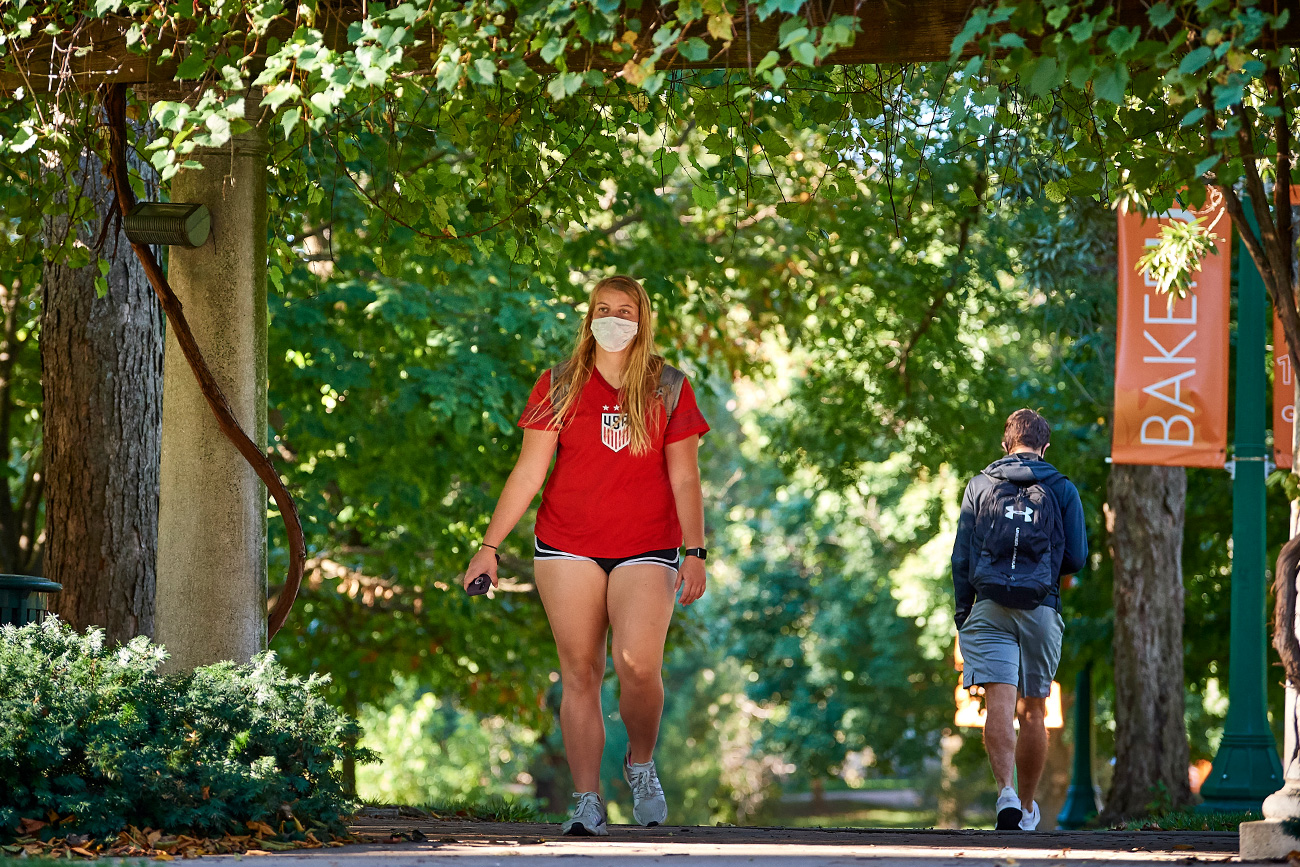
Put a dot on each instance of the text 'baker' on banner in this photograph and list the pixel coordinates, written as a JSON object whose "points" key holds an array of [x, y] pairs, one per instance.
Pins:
{"points": [[1171, 355]]}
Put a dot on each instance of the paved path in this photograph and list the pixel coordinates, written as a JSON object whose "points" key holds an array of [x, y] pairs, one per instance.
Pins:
{"points": [[479, 844]]}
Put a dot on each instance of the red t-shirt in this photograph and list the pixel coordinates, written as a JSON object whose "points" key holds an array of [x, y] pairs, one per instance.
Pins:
{"points": [[601, 500]]}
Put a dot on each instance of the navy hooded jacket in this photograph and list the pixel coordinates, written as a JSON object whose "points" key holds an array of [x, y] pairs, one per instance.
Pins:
{"points": [[1018, 468]]}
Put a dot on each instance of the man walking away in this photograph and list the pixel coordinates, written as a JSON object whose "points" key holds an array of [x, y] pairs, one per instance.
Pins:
{"points": [[1021, 528]]}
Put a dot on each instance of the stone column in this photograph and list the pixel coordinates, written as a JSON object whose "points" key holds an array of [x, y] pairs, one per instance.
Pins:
{"points": [[211, 602], [1277, 835]]}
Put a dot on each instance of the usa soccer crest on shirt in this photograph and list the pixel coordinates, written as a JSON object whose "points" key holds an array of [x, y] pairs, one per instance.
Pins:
{"points": [[614, 432]]}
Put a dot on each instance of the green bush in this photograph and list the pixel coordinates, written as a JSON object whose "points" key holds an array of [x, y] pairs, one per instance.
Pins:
{"points": [[97, 737]]}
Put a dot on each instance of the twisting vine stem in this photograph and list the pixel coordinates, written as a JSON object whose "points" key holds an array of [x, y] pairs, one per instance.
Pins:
{"points": [[114, 100]]}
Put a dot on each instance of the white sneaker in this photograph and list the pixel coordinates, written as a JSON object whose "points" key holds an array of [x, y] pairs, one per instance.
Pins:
{"points": [[649, 806], [1009, 810], [1030, 820], [588, 818]]}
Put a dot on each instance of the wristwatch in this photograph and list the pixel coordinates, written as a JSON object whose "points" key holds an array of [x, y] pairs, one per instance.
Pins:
{"points": [[702, 553]]}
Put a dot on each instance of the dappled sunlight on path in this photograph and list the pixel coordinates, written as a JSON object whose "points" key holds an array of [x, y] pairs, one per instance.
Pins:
{"points": [[398, 842]]}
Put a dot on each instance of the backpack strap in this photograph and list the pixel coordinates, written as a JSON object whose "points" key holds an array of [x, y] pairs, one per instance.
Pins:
{"points": [[556, 395], [671, 381]]}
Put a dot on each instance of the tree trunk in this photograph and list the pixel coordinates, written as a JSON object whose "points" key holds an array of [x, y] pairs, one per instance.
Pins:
{"points": [[1144, 517], [101, 364]]}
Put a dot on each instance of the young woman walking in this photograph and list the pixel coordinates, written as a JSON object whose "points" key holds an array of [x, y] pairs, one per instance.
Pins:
{"points": [[624, 430]]}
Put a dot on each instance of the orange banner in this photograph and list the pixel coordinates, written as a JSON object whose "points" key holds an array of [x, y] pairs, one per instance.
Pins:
{"points": [[1171, 361], [1283, 395]]}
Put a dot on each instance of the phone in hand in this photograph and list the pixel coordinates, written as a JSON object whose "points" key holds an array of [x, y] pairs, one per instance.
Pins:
{"points": [[479, 585]]}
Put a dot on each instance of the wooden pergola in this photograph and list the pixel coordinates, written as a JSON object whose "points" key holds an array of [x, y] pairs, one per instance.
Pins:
{"points": [[892, 31], [212, 526]]}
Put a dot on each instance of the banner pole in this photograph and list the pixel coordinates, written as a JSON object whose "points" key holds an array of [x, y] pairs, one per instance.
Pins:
{"points": [[1080, 806], [1247, 769]]}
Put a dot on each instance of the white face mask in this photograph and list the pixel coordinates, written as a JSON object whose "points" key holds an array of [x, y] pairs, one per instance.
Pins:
{"points": [[613, 334]]}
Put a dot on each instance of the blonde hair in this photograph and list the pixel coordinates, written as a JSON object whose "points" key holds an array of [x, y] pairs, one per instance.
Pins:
{"points": [[639, 395]]}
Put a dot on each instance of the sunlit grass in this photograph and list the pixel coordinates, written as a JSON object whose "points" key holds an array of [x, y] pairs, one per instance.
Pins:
{"points": [[491, 809], [1188, 820], [868, 817]]}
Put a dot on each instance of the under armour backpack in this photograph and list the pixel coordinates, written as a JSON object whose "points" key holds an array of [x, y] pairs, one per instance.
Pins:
{"points": [[1020, 529]]}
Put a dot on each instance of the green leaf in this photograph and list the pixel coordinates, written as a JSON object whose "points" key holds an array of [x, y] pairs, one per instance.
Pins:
{"points": [[290, 119], [1160, 15], [280, 94], [192, 66], [1195, 60], [665, 162], [694, 49], [804, 52], [1110, 83], [484, 71], [1194, 116], [1122, 39], [766, 8], [1057, 15], [705, 196], [553, 48], [1205, 165], [1227, 96], [792, 31], [1046, 76]]}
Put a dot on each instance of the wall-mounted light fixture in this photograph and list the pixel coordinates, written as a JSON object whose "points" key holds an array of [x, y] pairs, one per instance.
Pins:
{"points": [[174, 224]]}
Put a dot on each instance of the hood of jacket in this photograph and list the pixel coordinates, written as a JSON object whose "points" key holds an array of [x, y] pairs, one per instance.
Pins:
{"points": [[1022, 470]]}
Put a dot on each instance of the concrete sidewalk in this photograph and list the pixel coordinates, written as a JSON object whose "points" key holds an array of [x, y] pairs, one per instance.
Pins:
{"points": [[478, 844]]}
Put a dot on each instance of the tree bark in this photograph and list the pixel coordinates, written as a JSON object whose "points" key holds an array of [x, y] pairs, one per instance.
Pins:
{"points": [[101, 364], [1144, 517]]}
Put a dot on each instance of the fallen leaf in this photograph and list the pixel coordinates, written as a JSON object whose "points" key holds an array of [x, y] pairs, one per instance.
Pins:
{"points": [[83, 851], [31, 826], [1182, 847], [162, 856], [257, 852]]}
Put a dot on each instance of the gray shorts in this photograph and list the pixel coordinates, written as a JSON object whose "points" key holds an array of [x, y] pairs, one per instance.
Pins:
{"points": [[1007, 645]]}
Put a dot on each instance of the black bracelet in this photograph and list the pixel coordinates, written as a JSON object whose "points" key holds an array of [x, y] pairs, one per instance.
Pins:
{"points": [[486, 545]]}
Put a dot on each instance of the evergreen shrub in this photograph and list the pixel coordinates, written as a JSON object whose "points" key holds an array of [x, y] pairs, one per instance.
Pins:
{"points": [[96, 740]]}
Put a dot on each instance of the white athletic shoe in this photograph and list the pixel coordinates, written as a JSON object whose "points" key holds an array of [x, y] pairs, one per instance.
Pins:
{"points": [[649, 807], [1009, 810], [1031, 818], [588, 818]]}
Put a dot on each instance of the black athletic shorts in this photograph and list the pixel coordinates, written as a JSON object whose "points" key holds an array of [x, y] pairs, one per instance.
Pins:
{"points": [[669, 557]]}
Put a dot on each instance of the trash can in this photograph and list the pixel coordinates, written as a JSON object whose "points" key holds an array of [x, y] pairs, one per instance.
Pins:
{"points": [[25, 598]]}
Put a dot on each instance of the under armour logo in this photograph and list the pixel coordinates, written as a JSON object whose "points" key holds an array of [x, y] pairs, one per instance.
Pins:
{"points": [[1027, 512]]}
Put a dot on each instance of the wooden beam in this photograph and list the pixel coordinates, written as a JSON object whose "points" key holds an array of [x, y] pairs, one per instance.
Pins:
{"points": [[893, 31]]}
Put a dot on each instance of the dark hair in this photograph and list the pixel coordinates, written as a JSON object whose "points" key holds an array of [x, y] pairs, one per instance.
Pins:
{"points": [[1026, 428]]}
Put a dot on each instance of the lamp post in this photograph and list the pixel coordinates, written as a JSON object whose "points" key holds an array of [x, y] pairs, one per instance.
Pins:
{"points": [[1246, 769], [1080, 805]]}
